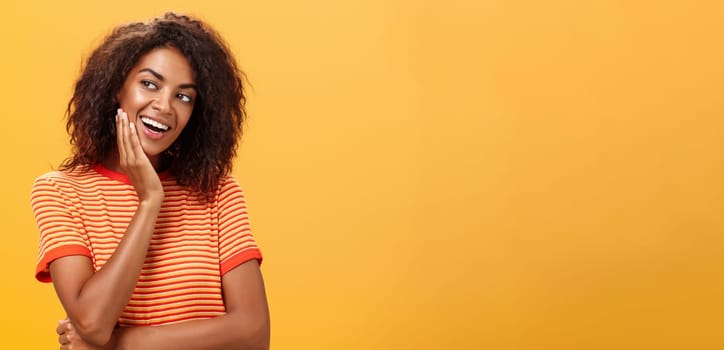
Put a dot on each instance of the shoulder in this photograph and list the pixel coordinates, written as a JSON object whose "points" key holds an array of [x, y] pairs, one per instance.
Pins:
{"points": [[49, 190], [50, 179], [56, 176], [63, 183], [227, 183], [64, 178], [229, 188]]}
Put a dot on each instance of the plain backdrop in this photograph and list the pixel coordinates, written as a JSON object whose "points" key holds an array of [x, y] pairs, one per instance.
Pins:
{"points": [[461, 174]]}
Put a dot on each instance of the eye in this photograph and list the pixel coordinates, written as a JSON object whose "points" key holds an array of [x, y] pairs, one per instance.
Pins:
{"points": [[149, 84], [184, 98]]}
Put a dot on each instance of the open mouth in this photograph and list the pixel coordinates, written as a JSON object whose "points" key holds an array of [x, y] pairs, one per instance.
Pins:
{"points": [[154, 125]]}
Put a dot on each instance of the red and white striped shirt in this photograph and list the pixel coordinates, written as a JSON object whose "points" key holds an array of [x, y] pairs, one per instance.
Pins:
{"points": [[194, 243]]}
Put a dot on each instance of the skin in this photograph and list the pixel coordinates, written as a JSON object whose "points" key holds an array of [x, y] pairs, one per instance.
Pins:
{"points": [[160, 87]]}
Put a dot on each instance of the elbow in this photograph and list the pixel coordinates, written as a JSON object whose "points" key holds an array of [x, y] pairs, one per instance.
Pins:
{"points": [[92, 332], [255, 334]]}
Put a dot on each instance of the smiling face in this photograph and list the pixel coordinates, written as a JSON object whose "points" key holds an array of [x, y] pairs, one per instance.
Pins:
{"points": [[159, 95]]}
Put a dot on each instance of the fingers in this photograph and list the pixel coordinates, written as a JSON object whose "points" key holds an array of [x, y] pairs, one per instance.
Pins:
{"points": [[135, 144], [133, 159], [129, 145], [63, 326], [63, 339], [121, 117], [64, 330]]}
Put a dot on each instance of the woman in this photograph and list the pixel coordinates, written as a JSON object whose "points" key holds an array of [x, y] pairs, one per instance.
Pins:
{"points": [[143, 232]]}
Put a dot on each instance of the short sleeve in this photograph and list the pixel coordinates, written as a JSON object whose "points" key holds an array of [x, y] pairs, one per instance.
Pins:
{"points": [[236, 243], [61, 230]]}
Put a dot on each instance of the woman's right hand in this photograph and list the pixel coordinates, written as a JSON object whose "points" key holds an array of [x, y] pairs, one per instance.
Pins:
{"points": [[135, 163]]}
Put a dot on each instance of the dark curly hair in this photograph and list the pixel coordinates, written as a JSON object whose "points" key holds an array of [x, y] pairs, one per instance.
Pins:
{"points": [[204, 151]]}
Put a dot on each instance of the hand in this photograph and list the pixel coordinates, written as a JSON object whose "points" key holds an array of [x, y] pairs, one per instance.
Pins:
{"points": [[134, 162], [69, 339]]}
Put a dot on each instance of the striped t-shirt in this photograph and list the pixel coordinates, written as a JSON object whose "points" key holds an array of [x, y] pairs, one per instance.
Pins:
{"points": [[194, 243]]}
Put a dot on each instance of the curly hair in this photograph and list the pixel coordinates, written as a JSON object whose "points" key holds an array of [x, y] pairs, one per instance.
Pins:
{"points": [[204, 151]]}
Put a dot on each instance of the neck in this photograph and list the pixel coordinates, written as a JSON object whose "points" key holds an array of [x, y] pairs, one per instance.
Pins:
{"points": [[113, 162]]}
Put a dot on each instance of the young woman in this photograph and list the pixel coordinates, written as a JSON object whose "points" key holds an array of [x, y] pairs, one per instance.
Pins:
{"points": [[143, 231]]}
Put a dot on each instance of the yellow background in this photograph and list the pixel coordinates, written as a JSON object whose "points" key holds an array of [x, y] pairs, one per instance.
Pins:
{"points": [[433, 174]]}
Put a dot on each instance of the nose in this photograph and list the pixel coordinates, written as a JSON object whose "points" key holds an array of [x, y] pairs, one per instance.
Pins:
{"points": [[161, 104]]}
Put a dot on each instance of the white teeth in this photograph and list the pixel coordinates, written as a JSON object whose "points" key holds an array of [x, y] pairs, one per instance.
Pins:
{"points": [[152, 122]]}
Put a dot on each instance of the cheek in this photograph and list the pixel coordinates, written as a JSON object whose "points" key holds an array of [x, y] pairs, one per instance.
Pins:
{"points": [[182, 123], [129, 99], [184, 115]]}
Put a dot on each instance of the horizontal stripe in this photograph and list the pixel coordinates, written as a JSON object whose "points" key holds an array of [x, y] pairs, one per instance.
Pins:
{"points": [[86, 212], [155, 321], [170, 296]]}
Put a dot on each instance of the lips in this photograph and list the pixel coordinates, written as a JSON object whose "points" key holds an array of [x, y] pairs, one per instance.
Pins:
{"points": [[154, 125], [153, 128]]}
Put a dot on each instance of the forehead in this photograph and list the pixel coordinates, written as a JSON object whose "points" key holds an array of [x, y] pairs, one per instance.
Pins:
{"points": [[168, 62]]}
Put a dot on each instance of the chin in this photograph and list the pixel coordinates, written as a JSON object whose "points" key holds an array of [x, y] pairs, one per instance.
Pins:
{"points": [[152, 152]]}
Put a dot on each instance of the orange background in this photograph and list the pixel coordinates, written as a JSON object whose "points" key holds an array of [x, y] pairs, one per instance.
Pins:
{"points": [[434, 175]]}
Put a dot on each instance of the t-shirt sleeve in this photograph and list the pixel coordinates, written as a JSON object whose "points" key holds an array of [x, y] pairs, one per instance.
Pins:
{"points": [[236, 243], [61, 230]]}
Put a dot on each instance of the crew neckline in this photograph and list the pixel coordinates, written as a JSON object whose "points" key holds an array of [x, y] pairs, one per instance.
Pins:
{"points": [[100, 169]]}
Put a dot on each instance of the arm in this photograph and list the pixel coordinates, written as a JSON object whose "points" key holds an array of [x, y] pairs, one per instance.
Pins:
{"points": [[244, 326], [94, 301]]}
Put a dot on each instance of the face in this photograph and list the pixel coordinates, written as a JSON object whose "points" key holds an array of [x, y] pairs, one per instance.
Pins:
{"points": [[159, 95]]}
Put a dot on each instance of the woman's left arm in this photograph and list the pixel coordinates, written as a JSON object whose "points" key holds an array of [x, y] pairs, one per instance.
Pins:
{"points": [[244, 326]]}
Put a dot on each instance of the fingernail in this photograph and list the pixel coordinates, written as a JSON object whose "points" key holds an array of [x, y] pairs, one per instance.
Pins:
{"points": [[118, 111]]}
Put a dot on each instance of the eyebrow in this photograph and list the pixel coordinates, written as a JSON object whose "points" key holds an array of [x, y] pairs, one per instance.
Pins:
{"points": [[160, 77]]}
